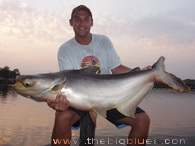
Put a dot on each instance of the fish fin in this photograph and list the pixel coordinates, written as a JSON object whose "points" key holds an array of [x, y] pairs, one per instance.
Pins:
{"points": [[57, 88], [168, 78], [93, 116], [135, 69], [173, 82], [129, 108], [101, 112], [159, 65], [91, 70], [128, 111]]}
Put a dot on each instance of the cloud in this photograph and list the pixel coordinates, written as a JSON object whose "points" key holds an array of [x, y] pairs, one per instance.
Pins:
{"points": [[144, 29], [170, 27], [168, 31], [24, 21]]}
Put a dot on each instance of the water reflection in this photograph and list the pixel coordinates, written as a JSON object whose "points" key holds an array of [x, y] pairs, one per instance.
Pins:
{"points": [[6, 91], [26, 122], [22, 121]]}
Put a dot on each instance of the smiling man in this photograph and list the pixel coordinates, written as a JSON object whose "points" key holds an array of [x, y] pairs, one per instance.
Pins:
{"points": [[82, 21], [82, 51]]}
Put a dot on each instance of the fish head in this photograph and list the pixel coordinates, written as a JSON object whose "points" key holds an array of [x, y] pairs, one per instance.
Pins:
{"points": [[39, 87]]}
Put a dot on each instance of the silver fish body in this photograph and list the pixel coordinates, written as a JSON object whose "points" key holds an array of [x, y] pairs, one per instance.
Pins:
{"points": [[98, 92]]}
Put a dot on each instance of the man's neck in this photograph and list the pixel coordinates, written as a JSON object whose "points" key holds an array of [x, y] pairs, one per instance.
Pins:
{"points": [[84, 40]]}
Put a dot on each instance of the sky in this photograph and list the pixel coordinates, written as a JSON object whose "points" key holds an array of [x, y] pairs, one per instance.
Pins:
{"points": [[31, 32]]}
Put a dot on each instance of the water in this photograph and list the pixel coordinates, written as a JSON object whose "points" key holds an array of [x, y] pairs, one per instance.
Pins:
{"points": [[24, 122]]}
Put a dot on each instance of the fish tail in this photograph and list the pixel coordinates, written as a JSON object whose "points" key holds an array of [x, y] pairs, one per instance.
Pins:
{"points": [[168, 78]]}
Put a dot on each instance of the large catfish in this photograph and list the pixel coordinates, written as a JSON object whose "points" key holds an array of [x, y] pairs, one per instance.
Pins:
{"points": [[98, 93]]}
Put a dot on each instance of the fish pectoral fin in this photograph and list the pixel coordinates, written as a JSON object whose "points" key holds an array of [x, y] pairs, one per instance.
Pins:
{"points": [[101, 112], [57, 88]]}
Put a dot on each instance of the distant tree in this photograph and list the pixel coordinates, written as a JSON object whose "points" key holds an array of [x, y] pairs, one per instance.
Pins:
{"points": [[15, 73], [6, 73]]}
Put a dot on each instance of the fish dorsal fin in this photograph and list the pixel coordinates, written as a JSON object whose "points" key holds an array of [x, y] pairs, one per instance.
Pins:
{"points": [[135, 69], [91, 70], [159, 64], [129, 108]]}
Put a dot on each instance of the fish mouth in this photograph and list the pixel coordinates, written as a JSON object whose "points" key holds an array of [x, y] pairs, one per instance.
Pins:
{"points": [[17, 85], [20, 92]]}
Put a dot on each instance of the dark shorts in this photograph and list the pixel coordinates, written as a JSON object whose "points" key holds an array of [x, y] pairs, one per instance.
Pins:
{"points": [[112, 115]]}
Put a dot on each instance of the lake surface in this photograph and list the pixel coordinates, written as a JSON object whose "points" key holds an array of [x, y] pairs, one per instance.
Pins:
{"points": [[24, 122]]}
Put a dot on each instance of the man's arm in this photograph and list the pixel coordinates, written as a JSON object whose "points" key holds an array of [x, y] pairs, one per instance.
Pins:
{"points": [[120, 69]]}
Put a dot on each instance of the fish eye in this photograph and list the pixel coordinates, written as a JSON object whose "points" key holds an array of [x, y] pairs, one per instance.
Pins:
{"points": [[27, 83]]}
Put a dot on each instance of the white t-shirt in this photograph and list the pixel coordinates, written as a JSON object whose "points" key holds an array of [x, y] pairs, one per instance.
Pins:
{"points": [[100, 52]]}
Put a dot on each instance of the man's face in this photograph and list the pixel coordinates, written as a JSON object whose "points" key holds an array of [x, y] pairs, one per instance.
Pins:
{"points": [[81, 23]]}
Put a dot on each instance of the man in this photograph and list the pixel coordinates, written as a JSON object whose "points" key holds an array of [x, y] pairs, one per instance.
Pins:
{"points": [[84, 50]]}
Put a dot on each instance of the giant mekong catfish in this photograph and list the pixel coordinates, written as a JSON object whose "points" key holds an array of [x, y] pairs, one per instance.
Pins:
{"points": [[96, 92]]}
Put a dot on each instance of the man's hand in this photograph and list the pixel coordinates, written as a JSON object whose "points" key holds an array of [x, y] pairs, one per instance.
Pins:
{"points": [[147, 67], [61, 103]]}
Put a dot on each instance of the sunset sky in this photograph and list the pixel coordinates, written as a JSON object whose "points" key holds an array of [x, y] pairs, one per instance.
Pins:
{"points": [[31, 32]]}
